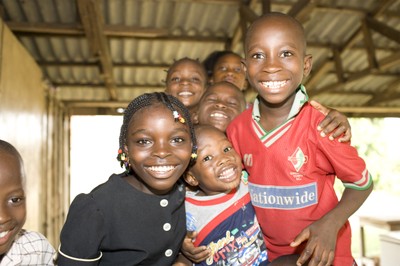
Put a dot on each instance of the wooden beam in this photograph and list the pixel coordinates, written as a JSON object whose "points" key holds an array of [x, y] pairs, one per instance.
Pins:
{"points": [[93, 23], [368, 110], [266, 6], [96, 85], [390, 94], [318, 74], [301, 10], [390, 61], [94, 64], [338, 64], [369, 46], [119, 31], [383, 29], [247, 14]]}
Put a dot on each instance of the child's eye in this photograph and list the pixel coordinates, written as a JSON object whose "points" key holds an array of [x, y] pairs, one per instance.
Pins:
{"points": [[227, 149], [16, 200], [207, 158], [238, 69], [211, 99], [178, 140], [175, 79], [286, 54], [196, 80], [233, 103], [143, 141], [257, 56]]}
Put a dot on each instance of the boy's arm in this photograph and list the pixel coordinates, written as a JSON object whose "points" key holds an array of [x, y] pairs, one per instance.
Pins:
{"points": [[195, 254], [321, 235], [334, 122]]}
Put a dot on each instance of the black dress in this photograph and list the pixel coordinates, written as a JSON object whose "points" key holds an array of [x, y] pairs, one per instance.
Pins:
{"points": [[127, 226]]}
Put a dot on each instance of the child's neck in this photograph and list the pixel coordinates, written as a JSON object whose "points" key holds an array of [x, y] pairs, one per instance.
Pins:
{"points": [[273, 116]]}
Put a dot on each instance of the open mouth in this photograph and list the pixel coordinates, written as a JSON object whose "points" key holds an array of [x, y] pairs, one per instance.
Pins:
{"points": [[185, 93], [218, 115], [228, 174], [161, 169], [274, 84], [3, 234]]}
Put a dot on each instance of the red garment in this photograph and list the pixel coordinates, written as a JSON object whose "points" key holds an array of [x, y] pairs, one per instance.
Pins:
{"points": [[291, 177]]}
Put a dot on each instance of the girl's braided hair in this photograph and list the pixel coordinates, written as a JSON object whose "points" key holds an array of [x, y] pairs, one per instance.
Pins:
{"points": [[178, 110]]}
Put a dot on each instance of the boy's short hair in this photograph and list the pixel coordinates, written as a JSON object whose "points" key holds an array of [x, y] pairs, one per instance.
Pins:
{"points": [[294, 21], [8, 148]]}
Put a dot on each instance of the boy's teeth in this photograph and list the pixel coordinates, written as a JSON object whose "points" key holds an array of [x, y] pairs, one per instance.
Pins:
{"points": [[274, 84], [3, 234], [184, 93], [218, 115]]}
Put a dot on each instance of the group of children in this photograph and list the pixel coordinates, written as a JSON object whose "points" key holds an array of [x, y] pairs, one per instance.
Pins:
{"points": [[185, 198]]}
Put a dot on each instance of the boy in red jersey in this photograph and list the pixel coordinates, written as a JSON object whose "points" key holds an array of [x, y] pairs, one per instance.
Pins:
{"points": [[292, 169]]}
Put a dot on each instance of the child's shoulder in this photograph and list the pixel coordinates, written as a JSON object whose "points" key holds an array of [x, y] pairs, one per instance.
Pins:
{"points": [[32, 242], [311, 114], [31, 237]]}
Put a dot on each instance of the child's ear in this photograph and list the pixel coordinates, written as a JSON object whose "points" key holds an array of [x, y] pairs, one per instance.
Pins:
{"points": [[307, 65], [190, 179], [195, 118], [243, 61]]}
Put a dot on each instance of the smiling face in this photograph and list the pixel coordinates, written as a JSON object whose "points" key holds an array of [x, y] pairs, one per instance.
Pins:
{"points": [[229, 68], [220, 104], [218, 167], [12, 199], [186, 80], [275, 59], [159, 149]]}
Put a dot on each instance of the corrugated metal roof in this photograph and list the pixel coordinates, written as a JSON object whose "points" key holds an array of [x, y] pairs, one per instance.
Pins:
{"points": [[145, 36]]}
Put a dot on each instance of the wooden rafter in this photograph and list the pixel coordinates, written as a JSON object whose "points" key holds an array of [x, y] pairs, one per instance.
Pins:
{"points": [[93, 25], [369, 46]]}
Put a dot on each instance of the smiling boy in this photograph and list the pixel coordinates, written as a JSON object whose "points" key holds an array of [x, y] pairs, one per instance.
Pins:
{"points": [[291, 168]]}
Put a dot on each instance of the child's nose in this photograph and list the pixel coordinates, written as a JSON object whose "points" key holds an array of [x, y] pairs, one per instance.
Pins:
{"points": [[224, 159], [220, 104], [161, 150], [271, 64]]}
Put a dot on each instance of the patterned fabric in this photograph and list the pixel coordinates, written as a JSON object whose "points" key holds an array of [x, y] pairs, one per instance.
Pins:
{"points": [[226, 223], [29, 248]]}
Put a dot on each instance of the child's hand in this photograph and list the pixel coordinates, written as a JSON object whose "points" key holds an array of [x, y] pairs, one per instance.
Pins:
{"points": [[334, 121], [321, 243], [191, 252]]}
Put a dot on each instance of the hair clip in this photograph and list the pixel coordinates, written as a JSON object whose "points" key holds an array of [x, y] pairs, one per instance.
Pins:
{"points": [[193, 156], [178, 117], [123, 159]]}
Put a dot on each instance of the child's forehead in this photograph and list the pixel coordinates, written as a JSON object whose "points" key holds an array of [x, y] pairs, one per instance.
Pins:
{"points": [[224, 89], [276, 23], [209, 134], [11, 166], [186, 63], [229, 57]]}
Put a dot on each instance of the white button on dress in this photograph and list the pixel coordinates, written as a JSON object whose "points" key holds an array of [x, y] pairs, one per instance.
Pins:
{"points": [[164, 203], [168, 253], [167, 226]]}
